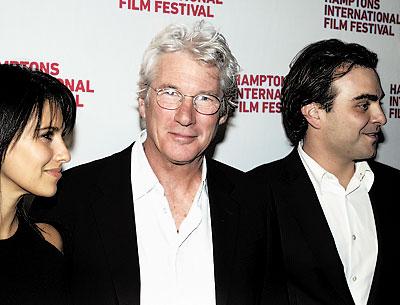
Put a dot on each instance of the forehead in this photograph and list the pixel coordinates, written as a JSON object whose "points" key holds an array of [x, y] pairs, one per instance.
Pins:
{"points": [[51, 116], [359, 80], [180, 69]]}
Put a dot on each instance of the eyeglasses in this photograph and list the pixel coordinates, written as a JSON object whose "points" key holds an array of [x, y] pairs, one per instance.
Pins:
{"points": [[171, 99]]}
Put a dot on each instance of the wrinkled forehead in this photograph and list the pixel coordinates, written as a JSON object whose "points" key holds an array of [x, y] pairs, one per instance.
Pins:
{"points": [[182, 69], [184, 60]]}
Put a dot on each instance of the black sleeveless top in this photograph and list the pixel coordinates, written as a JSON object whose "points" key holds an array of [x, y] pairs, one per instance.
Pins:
{"points": [[31, 270]]}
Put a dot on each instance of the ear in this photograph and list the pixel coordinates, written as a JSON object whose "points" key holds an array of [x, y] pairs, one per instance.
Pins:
{"points": [[142, 108], [311, 113], [223, 119]]}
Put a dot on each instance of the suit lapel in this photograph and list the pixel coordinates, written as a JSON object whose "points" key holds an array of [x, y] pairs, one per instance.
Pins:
{"points": [[309, 215], [224, 221], [113, 210]]}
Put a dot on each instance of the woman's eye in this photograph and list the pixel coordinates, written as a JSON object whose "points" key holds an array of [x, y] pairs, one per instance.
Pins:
{"points": [[47, 136]]}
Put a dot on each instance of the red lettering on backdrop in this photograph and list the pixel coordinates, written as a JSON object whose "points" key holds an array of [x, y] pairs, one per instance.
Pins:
{"points": [[198, 8], [394, 113], [135, 5], [182, 8], [394, 88], [360, 16], [259, 93], [53, 68], [46, 67], [394, 101], [77, 101]]}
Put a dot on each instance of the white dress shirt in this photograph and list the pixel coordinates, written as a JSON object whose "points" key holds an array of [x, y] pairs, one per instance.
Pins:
{"points": [[351, 220], [176, 268]]}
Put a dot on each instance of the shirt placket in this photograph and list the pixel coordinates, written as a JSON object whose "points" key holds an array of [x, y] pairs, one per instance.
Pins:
{"points": [[188, 227]]}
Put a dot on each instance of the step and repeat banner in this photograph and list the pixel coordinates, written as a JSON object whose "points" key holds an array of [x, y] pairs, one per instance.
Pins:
{"points": [[95, 48]]}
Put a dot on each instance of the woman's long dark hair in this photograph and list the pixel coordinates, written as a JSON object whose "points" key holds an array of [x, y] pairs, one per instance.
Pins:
{"points": [[23, 94]]}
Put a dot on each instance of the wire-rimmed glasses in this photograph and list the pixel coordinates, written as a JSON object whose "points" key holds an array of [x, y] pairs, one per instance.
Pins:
{"points": [[171, 99]]}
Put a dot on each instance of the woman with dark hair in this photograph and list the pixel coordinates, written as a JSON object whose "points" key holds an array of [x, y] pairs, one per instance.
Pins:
{"points": [[36, 112]]}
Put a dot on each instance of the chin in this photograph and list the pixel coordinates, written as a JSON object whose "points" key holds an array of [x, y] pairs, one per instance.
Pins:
{"points": [[372, 153], [183, 159], [46, 193], [368, 156], [178, 162]]}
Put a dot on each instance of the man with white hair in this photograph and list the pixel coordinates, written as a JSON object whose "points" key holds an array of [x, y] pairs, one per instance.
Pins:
{"points": [[159, 222]]}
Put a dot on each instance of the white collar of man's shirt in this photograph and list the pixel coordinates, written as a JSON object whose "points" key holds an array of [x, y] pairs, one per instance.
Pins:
{"points": [[363, 171], [141, 172]]}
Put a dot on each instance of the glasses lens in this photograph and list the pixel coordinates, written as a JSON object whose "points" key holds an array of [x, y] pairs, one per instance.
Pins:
{"points": [[169, 98], [206, 104]]}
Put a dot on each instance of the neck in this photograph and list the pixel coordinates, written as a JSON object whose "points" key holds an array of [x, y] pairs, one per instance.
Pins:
{"points": [[342, 168], [171, 173], [8, 218], [9, 198], [175, 176], [180, 183]]}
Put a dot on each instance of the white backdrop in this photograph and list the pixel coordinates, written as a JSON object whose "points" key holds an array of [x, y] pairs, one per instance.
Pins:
{"points": [[96, 46]]}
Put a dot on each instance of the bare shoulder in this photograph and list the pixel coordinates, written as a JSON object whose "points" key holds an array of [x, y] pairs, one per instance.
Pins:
{"points": [[51, 235]]}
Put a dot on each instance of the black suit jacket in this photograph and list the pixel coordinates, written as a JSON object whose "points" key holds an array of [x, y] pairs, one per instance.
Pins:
{"points": [[93, 209], [313, 268]]}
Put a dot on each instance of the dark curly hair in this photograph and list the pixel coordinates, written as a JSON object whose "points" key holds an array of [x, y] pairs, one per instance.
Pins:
{"points": [[310, 79]]}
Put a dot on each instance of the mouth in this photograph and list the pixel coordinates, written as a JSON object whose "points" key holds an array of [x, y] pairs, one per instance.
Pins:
{"points": [[183, 138], [55, 172], [372, 135]]}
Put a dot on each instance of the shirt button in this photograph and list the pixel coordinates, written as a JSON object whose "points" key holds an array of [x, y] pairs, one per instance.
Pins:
{"points": [[354, 278], [353, 237]]}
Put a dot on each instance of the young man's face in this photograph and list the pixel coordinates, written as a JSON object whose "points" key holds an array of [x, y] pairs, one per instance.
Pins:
{"points": [[180, 136], [351, 127]]}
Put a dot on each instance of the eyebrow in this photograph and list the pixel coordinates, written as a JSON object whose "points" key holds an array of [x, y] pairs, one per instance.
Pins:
{"points": [[49, 128], [371, 97], [168, 85]]}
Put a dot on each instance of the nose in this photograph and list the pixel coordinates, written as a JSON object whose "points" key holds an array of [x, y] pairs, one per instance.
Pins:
{"points": [[62, 153], [378, 116], [185, 115]]}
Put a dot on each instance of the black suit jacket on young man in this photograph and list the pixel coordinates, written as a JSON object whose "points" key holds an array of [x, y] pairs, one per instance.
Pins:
{"points": [[314, 270], [93, 209]]}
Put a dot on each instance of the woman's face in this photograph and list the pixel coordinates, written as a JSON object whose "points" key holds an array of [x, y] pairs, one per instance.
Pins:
{"points": [[33, 164]]}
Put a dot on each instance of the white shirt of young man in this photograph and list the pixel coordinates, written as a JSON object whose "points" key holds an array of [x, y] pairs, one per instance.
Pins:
{"points": [[176, 268], [351, 220]]}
